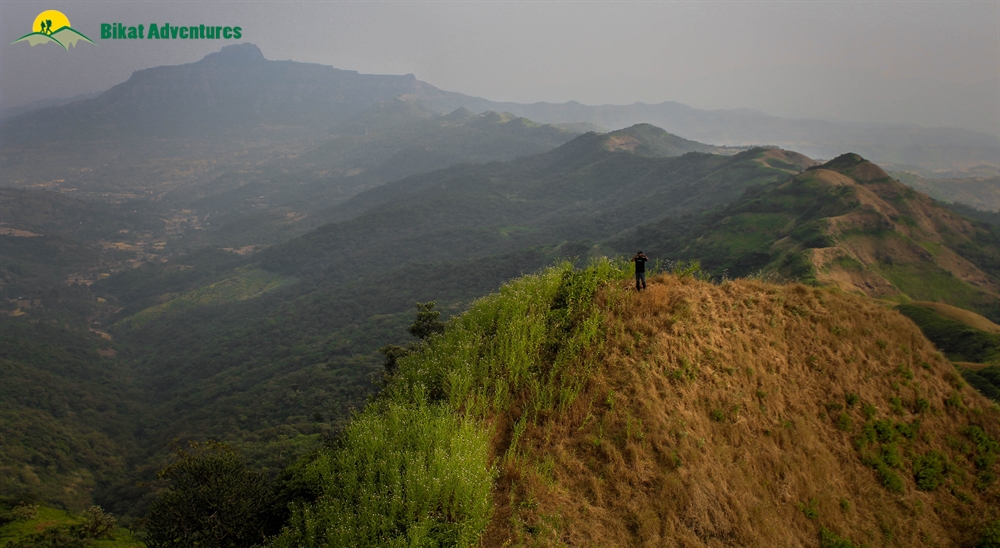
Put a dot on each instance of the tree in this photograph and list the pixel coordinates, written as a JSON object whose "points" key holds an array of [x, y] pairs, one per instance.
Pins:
{"points": [[212, 499], [427, 323], [423, 327]]}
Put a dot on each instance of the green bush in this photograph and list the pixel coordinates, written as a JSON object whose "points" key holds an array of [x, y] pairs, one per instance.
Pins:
{"points": [[890, 455], [829, 539], [212, 499], [885, 431], [929, 470], [869, 411], [888, 478], [991, 536]]}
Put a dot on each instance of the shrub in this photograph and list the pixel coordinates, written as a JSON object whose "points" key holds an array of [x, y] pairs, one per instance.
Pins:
{"points": [[888, 478], [809, 509], [929, 470], [844, 422], [885, 431], [829, 539], [990, 537], [869, 411], [922, 405], [212, 498], [908, 430], [897, 405], [96, 524], [851, 398], [890, 455]]}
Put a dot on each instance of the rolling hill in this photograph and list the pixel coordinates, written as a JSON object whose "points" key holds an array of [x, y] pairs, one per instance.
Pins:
{"points": [[848, 224]]}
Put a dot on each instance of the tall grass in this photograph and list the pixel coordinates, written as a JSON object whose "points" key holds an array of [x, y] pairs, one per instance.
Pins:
{"points": [[415, 468]]}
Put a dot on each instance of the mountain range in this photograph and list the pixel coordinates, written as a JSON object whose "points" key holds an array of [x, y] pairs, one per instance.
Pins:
{"points": [[238, 90]]}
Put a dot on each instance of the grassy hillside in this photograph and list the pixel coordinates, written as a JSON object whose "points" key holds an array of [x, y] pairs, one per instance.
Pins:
{"points": [[26, 525], [846, 224], [568, 410]]}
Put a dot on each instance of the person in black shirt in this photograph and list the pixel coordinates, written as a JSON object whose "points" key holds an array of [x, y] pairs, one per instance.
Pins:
{"points": [[640, 270]]}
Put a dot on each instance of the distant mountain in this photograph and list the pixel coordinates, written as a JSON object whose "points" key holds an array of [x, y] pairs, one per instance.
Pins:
{"points": [[588, 189], [237, 90], [979, 192], [929, 148], [234, 89], [848, 224], [392, 140], [10, 112]]}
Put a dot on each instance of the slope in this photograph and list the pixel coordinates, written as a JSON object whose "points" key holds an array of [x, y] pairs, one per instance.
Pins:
{"points": [[278, 370], [567, 410], [847, 224], [587, 189]]}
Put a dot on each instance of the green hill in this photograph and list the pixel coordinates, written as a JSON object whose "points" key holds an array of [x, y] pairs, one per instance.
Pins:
{"points": [[846, 224]]}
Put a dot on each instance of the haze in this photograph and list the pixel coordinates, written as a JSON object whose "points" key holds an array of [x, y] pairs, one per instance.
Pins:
{"points": [[923, 63]]}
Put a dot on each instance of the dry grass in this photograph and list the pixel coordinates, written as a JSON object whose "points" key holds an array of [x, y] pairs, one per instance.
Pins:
{"points": [[713, 421]]}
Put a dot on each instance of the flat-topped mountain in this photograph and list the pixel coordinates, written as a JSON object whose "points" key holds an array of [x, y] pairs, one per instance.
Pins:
{"points": [[233, 89]]}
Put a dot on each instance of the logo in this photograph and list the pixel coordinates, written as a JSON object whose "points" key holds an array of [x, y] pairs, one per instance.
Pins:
{"points": [[52, 26]]}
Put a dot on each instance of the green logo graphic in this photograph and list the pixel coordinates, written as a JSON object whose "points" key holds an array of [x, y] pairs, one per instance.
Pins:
{"points": [[64, 35]]}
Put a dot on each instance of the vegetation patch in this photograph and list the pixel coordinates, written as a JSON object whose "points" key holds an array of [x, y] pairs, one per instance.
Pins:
{"points": [[417, 466], [960, 341], [246, 284]]}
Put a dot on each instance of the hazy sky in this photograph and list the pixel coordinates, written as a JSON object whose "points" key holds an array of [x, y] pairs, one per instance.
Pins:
{"points": [[927, 63]]}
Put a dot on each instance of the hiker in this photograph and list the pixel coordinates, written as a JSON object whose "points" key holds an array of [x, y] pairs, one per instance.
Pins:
{"points": [[640, 270]]}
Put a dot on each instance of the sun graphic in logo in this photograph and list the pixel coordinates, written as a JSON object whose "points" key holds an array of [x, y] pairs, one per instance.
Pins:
{"points": [[52, 26]]}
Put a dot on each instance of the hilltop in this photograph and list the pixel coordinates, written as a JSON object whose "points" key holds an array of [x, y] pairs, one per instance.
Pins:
{"points": [[848, 224], [567, 409]]}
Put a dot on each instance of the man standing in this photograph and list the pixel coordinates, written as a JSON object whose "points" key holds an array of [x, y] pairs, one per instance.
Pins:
{"points": [[640, 270]]}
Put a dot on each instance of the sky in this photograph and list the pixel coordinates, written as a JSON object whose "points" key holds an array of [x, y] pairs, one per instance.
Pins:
{"points": [[920, 63]]}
